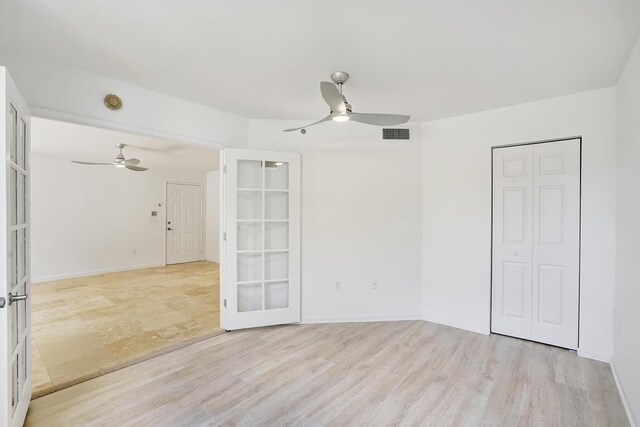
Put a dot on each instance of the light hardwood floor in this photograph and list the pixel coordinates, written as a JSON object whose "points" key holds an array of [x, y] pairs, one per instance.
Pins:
{"points": [[86, 326], [375, 374]]}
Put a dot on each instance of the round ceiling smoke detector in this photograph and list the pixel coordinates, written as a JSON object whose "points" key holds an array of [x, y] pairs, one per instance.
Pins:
{"points": [[113, 102]]}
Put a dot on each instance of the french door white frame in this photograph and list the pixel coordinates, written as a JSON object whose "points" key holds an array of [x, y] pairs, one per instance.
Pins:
{"points": [[14, 401], [203, 212], [579, 138], [230, 316]]}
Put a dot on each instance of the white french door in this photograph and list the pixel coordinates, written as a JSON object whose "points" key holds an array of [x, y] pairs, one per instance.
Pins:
{"points": [[184, 223], [15, 285], [536, 242], [260, 248]]}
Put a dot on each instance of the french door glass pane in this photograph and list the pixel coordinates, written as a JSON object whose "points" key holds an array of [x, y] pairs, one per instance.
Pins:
{"points": [[24, 361], [250, 205], [249, 174], [249, 267], [15, 391], [276, 235], [276, 265], [249, 236], [276, 205], [276, 295], [13, 242], [22, 311], [13, 136], [14, 315], [276, 175], [22, 144], [21, 254], [21, 199], [13, 196], [250, 297]]}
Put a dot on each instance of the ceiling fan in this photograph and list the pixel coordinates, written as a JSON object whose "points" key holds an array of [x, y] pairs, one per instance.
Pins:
{"points": [[340, 109], [119, 162]]}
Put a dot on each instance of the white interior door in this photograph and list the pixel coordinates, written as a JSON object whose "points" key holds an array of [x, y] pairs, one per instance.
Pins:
{"points": [[15, 285], [512, 241], [556, 243], [536, 242], [184, 223], [260, 262]]}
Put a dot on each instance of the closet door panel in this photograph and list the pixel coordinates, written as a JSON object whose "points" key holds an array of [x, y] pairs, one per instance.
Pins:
{"points": [[512, 241], [556, 243]]}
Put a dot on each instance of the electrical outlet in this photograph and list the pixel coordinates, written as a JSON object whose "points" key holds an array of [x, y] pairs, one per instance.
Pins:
{"points": [[133, 252], [375, 286], [338, 286]]}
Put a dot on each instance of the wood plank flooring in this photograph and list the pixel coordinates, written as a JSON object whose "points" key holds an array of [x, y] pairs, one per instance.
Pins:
{"points": [[374, 374], [86, 326]]}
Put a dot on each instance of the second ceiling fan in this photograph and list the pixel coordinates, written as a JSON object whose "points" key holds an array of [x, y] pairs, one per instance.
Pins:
{"points": [[341, 111], [119, 161]]}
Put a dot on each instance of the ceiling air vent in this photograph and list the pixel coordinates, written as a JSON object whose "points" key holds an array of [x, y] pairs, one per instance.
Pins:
{"points": [[396, 133]]}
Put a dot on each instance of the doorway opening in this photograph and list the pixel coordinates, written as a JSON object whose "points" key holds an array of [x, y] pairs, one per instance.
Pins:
{"points": [[535, 271], [106, 293]]}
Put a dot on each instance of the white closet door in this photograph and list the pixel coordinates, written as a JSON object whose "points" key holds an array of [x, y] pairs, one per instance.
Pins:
{"points": [[261, 238], [512, 241], [536, 242], [556, 250]]}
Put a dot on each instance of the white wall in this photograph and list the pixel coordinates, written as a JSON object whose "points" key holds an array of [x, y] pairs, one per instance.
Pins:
{"points": [[212, 210], [91, 219], [65, 93], [456, 197], [626, 358], [360, 219]]}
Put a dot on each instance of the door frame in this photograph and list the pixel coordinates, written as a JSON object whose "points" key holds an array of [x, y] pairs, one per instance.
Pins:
{"points": [[203, 224], [545, 141]]}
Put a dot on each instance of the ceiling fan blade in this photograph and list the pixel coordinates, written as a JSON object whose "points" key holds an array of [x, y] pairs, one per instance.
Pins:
{"points": [[90, 163], [326, 119], [136, 168], [132, 162], [379, 119], [332, 96]]}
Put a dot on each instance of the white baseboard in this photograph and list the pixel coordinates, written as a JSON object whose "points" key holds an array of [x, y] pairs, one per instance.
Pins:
{"points": [[40, 279], [355, 319], [601, 357], [623, 396], [458, 325]]}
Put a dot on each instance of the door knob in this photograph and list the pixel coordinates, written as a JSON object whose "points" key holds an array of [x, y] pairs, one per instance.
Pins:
{"points": [[14, 298], [515, 253], [169, 228]]}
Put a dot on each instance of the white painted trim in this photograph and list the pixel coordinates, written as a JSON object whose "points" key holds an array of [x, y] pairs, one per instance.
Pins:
{"points": [[47, 113], [623, 396], [594, 355], [357, 319], [41, 279], [456, 324]]}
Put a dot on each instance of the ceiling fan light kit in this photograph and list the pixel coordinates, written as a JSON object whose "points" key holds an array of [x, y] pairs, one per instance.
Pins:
{"points": [[120, 161], [341, 111]]}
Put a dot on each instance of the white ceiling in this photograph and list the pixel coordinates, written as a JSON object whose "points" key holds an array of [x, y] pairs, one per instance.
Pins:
{"points": [[264, 59], [69, 141]]}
